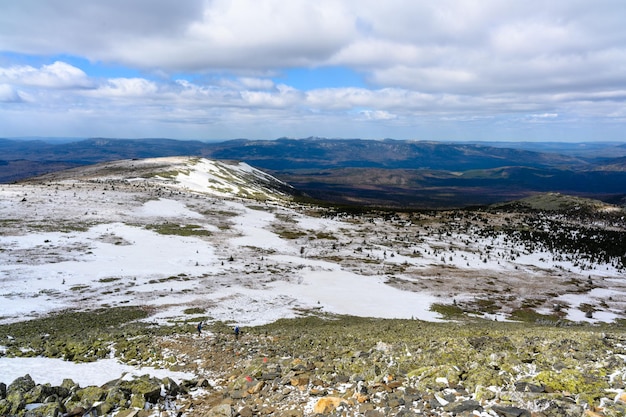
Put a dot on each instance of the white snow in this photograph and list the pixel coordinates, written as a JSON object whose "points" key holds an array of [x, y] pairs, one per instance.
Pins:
{"points": [[54, 371], [166, 208], [343, 292]]}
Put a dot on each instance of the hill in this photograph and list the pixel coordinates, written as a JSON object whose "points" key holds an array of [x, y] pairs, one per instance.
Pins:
{"points": [[392, 173]]}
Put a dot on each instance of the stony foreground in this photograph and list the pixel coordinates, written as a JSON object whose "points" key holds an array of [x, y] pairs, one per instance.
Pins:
{"points": [[363, 367], [357, 367]]}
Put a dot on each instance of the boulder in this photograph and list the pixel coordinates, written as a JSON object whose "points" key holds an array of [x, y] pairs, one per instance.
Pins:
{"points": [[504, 411], [90, 395], [171, 387], [144, 389], [22, 384], [326, 405]]}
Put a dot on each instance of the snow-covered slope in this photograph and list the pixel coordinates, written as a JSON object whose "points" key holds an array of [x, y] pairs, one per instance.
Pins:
{"points": [[219, 178], [193, 238]]}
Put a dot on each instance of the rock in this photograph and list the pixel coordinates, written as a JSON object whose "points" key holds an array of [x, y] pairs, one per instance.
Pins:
{"points": [[463, 406], [300, 381], [201, 383], [510, 411], [90, 395], [5, 407], [76, 412], [237, 394], [22, 384], [143, 389], [291, 413], [222, 410], [171, 387], [46, 410], [268, 376], [127, 413], [482, 393], [361, 398], [246, 412], [3, 390], [317, 392], [15, 396], [38, 394], [327, 404], [528, 387], [256, 388]]}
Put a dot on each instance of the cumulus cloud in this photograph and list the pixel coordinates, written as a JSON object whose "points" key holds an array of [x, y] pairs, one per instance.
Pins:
{"points": [[444, 45], [127, 88], [56, 75], [214, 62]]}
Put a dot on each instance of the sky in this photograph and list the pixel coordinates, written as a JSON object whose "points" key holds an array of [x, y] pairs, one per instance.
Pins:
{"points": [[512, 70]]}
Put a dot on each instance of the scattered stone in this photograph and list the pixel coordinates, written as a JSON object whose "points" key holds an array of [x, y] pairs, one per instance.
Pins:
{"points": [[327, 404], [510, 411]]}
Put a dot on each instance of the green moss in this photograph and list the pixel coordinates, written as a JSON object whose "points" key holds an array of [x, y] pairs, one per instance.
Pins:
{"points": [[107, 280], [530, 315], [325, 235], [166, 174], [290, 233], [179, 230], [195, 310], [587, 385], [447, 311]]}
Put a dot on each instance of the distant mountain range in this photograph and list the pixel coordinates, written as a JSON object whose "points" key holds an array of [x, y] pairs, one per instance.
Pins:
{"points": [[397, 173]]}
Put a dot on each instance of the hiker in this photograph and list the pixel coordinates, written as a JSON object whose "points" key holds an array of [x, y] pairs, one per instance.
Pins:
{"points": [[199, 328], [236, 332]]}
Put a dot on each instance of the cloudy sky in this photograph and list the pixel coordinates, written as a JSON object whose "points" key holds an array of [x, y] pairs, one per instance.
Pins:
{"points": [[407, 69]]}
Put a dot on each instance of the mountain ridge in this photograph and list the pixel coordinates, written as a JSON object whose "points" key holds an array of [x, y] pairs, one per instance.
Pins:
{"points": [[427, 174]]}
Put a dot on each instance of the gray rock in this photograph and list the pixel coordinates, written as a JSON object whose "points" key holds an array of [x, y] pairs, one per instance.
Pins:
{"points": [[503, 411], [528, 387], [463, 406], [22, 384]]}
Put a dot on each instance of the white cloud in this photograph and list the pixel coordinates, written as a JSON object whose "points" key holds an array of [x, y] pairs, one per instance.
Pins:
{"points": [[127, 87], [377, 115], [8, 94], [56, 75], [210, 62], [447, 46]]}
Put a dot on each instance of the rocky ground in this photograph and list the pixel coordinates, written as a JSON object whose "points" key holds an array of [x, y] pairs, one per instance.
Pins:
{"points": [[362, 367], [346, 366]]}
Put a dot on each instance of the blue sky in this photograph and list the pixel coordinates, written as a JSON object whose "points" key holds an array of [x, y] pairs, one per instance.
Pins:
{"points": [[406, 69]]}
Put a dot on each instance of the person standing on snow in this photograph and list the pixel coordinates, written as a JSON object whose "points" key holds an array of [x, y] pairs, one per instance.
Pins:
{"points": [[237, 332], [199, 328]]}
